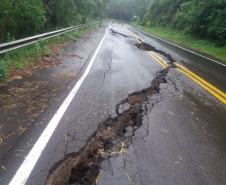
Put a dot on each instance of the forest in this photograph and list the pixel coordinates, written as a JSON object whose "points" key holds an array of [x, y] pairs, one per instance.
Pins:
{"points": [[23, 18], [203, 19]]}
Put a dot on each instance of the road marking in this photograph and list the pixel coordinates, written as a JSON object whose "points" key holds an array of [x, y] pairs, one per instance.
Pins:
{"points": [[192, 76], [157, 60], [205, 82], [180, 47], [160, 60], [27, 166], [205, 87]]}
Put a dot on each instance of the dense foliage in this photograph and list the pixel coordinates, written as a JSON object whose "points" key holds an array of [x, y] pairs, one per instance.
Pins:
{"points": [[22, 18], [201, 18], [127, 9]]}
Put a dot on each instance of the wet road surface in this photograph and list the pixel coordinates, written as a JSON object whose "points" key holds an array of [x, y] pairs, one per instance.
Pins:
{"points": [[132, 121]]}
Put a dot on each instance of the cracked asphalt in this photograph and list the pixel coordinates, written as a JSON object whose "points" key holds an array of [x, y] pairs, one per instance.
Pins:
{"points": [[180, 139]]}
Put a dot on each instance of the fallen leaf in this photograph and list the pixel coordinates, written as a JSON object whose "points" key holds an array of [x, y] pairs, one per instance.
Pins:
{"points": [[28, 144], [9, 135], [78, 131], [122, 144], [180, 157], [19, 150], [171, 113], [165, 130], [65, 137], [3, 167], [98, 177], [192, 113], [39, 123], [101, 153], [24, 181], [122, 150], [129, 177], [177, 162], [201, 167], [17, 77]]}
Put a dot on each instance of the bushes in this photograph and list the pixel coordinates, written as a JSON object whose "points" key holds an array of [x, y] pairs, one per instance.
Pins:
{"points": [[24, 18], [205, 19], [4, 73], [22, 57]]}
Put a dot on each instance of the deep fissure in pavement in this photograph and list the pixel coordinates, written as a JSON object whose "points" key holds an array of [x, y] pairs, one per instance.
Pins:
{"points": [[83, 168], [148, 47], [115, 32]]}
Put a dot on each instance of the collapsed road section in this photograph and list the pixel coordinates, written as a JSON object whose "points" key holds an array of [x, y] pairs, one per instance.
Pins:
{"points": [[83, 168]]}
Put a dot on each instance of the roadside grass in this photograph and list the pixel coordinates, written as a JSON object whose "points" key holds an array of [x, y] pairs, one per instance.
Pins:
{"points": [[25, 56], [203, 45]]}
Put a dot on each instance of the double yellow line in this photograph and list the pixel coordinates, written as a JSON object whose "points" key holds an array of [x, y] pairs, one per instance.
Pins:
{"points": [[155, 56], [210, 88]]}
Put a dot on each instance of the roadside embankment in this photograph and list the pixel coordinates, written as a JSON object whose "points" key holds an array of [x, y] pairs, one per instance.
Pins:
{"points": [[25, 61], [202, 45]]}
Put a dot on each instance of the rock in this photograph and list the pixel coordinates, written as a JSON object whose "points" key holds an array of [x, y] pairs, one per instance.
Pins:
{"points": [[137, 109], [126, 106], [113, 116]]}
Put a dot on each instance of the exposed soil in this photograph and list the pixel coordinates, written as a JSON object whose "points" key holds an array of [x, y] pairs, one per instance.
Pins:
{"points": [[114, 32], [148, 47], [83, 168]]}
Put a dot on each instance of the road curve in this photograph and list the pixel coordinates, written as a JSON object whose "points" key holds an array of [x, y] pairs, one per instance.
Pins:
{"points": [[138, 112]]}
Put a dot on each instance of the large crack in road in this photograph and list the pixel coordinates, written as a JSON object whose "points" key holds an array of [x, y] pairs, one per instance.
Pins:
{"points": [[83, 168]]}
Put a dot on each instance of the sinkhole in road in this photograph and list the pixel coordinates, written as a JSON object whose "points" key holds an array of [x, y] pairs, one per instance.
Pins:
{"points": [[83, 168]]}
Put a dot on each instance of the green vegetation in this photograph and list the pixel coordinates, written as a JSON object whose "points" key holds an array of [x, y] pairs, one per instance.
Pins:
{"points": [[25, 56], [128, 9], [200, 24], [23, 18], [204, 45], [201, 18]]}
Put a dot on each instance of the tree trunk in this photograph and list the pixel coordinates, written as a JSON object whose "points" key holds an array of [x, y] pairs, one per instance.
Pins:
{"points": [[84, 18], [6, 21]]}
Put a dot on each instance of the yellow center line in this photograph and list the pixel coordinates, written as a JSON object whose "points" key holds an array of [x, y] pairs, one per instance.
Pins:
{"points": [[156, 59], [185, 71], [205, 87], [160, 60], [205, 82]]}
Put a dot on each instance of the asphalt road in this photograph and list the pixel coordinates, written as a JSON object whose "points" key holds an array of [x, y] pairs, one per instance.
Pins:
{"points": [[117, 115]]}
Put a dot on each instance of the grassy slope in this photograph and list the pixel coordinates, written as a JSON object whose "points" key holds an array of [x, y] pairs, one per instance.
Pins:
{"points": [[20, 58], [188, 40]]}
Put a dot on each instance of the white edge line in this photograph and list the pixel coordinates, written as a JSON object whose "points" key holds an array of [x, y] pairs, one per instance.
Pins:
{"points": [[27, 166], [179, 46]]}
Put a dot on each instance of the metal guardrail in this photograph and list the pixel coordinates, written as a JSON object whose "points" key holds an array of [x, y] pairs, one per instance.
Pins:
{"points": [[9, 46]]}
